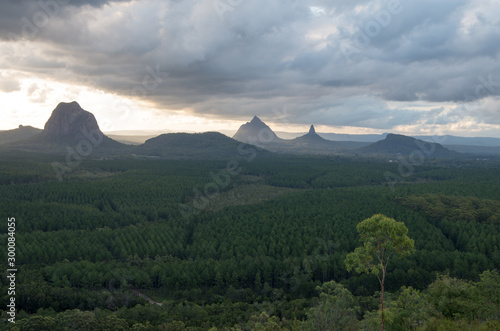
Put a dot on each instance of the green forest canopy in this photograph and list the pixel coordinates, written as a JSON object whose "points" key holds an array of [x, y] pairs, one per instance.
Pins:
{"points": [[112, 226]]}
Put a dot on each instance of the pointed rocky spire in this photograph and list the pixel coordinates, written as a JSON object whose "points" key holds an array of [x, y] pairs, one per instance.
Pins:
{"points": [[311, 130]]}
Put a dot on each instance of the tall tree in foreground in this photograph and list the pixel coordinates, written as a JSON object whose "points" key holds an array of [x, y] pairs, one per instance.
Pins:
{"points": [[382, 238]]}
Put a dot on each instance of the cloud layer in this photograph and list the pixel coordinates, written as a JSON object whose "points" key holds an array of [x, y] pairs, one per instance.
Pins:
{"points": [[376, 64]]}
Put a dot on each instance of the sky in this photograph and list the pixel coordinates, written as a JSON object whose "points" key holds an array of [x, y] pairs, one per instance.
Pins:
{"points": [[409, 67]]}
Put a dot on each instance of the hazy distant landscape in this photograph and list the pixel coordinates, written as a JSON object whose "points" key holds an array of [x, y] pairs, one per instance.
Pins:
{"points": [[70, 124]]}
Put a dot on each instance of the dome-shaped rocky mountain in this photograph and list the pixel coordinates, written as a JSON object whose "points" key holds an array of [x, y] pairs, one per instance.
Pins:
{"points": [[69, 121], [69, 126]]}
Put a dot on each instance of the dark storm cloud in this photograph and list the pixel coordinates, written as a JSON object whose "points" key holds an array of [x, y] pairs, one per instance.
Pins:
{"points": [[19, 18], [255, 56]]}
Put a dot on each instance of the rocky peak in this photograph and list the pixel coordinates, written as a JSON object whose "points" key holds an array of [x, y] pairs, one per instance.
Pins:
{"points": [[254, 130], [311, 130], [69, 119], [255, 120]]}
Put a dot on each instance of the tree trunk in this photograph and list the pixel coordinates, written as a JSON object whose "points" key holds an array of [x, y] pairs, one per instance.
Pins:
{"points": [[382, 298]]}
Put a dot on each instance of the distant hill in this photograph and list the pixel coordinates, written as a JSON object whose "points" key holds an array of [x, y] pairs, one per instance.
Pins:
{"points": [[69, 126], [477, 150], [134, 137], [207, 145], [21, 133], [454, 140], [366, 138], [396, 144], [130, 140]]}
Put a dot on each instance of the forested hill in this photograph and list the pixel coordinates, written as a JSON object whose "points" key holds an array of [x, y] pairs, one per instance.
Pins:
{"points": [[21, 133], [208, 145], [395, 144]]}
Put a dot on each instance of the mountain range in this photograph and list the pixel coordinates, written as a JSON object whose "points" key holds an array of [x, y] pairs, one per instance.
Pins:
{"points": [[71, 128], [259, 133]]}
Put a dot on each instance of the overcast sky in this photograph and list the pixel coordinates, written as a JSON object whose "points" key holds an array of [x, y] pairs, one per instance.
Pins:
{"points": [[411, 67]]}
